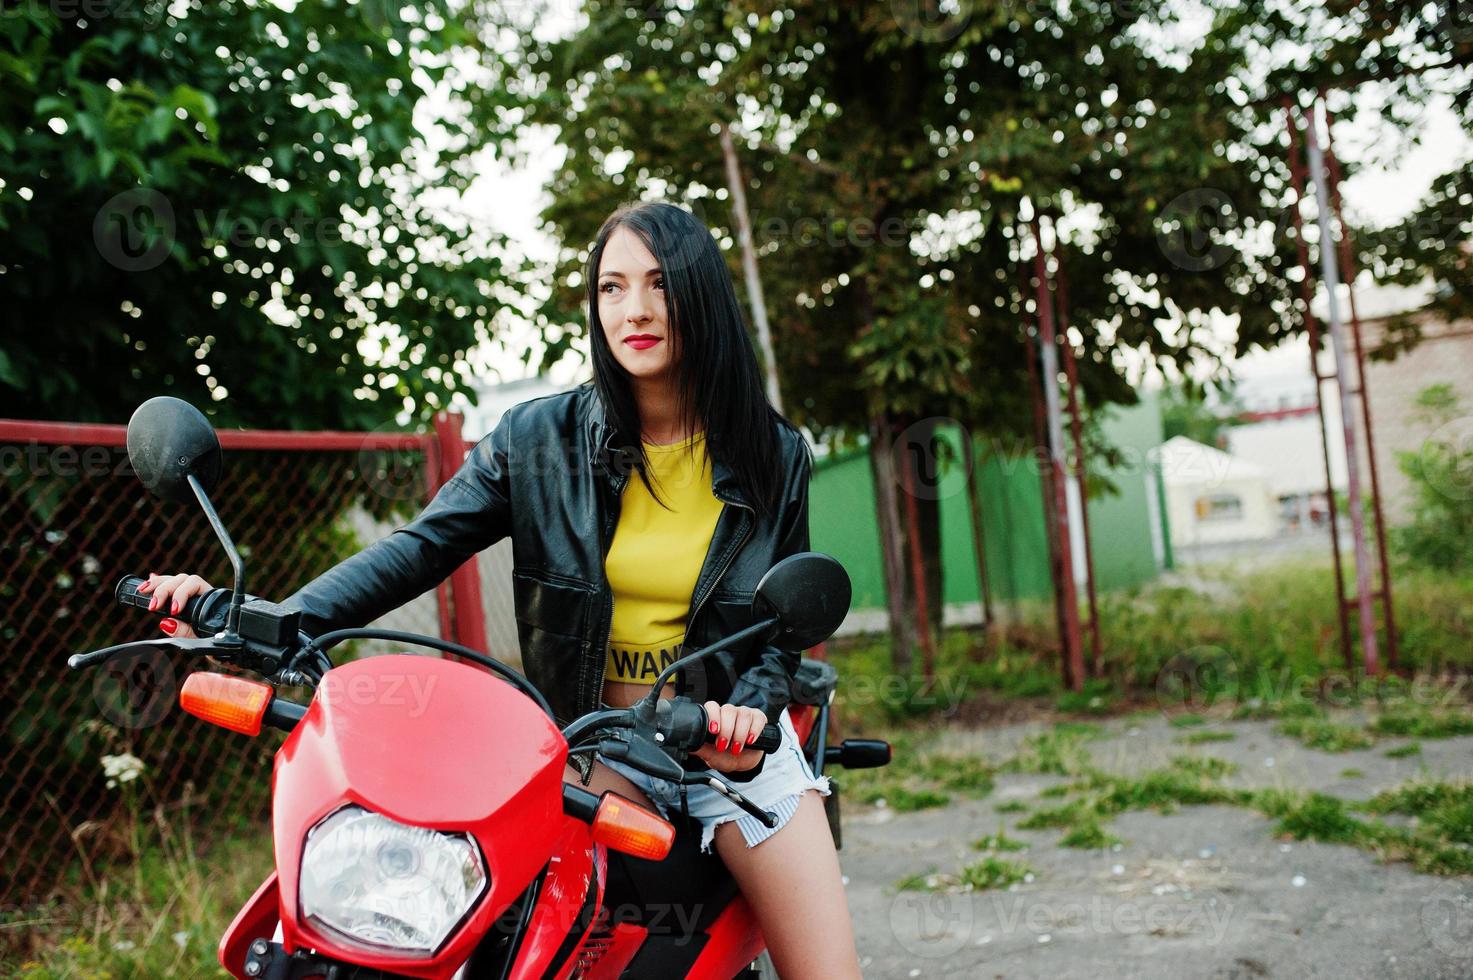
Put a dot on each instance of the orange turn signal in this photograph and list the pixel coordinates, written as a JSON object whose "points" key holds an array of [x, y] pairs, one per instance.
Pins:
{"points": [[230, 702], [631, 829]]}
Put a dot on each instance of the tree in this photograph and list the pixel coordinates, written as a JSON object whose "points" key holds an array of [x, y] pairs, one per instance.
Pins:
{"points": [[225, 201], [889, 167], [892, 160]]}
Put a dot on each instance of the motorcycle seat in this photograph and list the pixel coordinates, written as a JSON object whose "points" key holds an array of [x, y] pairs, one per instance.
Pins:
{"points": [[814, 682]]}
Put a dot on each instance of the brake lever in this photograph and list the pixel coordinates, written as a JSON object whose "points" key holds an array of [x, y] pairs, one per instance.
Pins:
{"points": [[81, 661], [711, 779]]}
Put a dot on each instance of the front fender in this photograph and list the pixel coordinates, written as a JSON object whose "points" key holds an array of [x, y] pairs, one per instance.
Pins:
{"points": [[257, 919]]}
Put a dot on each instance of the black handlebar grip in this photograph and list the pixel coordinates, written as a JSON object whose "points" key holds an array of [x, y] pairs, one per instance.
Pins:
{"points": [[768, 739], [200, 611]]}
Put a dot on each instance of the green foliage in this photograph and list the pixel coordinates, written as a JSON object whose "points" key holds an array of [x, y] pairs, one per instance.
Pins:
{"points": [[1327, 736], [905, 800], [999, 841], [1423, 723], [1320, 817], [209, 198], [1440, 533], [992, 872], [1090, 835], [1404, 751], [1202, 738], [1185, 411], [1097, 698], [1056, 752]]}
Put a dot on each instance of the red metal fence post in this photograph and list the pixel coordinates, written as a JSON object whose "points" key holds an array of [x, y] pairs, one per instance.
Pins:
{"points": [[468, 615]]}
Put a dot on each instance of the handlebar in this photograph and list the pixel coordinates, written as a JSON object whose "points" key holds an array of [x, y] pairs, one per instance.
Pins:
{"points": [[685, 725], [205, 613]]}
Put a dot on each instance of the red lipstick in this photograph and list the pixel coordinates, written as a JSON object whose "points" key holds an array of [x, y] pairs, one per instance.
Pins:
{"points": [[641, 341]]}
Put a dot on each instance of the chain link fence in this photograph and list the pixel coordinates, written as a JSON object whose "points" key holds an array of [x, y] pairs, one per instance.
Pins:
{"points": [[74, 520]]}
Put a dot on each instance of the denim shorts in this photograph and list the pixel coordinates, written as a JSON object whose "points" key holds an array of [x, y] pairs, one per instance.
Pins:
{"points": [[784, 778]]}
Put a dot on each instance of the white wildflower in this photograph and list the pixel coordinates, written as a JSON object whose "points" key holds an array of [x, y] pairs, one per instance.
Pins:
{"points": [[121, 768]]}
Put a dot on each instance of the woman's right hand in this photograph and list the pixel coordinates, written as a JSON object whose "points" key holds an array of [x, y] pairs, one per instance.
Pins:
{"points": [[171, 592]]}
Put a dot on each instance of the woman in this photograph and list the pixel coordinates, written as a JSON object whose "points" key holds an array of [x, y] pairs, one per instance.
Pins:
{"points": [[643, 509]]}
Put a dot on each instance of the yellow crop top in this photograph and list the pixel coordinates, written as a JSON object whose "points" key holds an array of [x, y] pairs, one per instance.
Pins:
{"points": [[655, 558]]}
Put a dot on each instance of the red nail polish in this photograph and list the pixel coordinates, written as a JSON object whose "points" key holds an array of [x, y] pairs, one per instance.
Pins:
{"points": [[715, 728], [721, 745], [736, 748], [169, 626], [174, 608], [751, 738], [152, 603]]}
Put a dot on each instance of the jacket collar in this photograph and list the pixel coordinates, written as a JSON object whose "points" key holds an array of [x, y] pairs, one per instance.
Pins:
{"points": [[601, 451]]}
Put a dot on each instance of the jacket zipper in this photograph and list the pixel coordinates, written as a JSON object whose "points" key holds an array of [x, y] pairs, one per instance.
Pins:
{"points": [[690, 620], [602, 653]]}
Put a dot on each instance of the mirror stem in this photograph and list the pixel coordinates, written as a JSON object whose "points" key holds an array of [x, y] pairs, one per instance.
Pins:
{"points": [[237, 564], [648, 702]]}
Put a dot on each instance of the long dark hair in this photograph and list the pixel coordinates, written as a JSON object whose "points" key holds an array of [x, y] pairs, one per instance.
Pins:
{"points": [[718, 384]]}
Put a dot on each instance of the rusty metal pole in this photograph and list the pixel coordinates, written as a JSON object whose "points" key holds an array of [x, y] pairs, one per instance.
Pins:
{"points": [[1076, 428], [1331, 279], [1311, 326], [979, 539], [918, 569], [1049, 376], [1045, 484], [1347, 262], [737, 187]]}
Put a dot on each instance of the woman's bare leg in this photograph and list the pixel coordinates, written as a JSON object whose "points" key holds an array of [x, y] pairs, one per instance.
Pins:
{"points": [[793, 883]]}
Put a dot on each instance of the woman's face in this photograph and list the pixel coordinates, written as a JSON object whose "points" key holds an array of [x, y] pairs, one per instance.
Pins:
{"points": [[631, 307]]}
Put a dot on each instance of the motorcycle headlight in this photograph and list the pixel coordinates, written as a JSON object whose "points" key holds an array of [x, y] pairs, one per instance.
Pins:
{"points": [[378, 883]]}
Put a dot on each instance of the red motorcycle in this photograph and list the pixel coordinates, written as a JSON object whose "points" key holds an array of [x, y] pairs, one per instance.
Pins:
{"points": [[421, 821]]}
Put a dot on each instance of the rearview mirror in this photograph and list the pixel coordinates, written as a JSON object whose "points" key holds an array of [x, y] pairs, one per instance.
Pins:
{"points": [[170, 440], [809, 593]]}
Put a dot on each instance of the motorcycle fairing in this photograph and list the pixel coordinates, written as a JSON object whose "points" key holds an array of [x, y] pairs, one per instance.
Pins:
{"points": [[430, 743]]}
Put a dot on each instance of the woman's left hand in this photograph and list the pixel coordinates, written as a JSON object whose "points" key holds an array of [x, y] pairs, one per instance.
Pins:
{"points": [[735, 728]]}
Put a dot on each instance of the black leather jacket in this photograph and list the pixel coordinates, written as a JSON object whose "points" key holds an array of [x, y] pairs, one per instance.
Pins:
{"points": [[549, 477]]}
